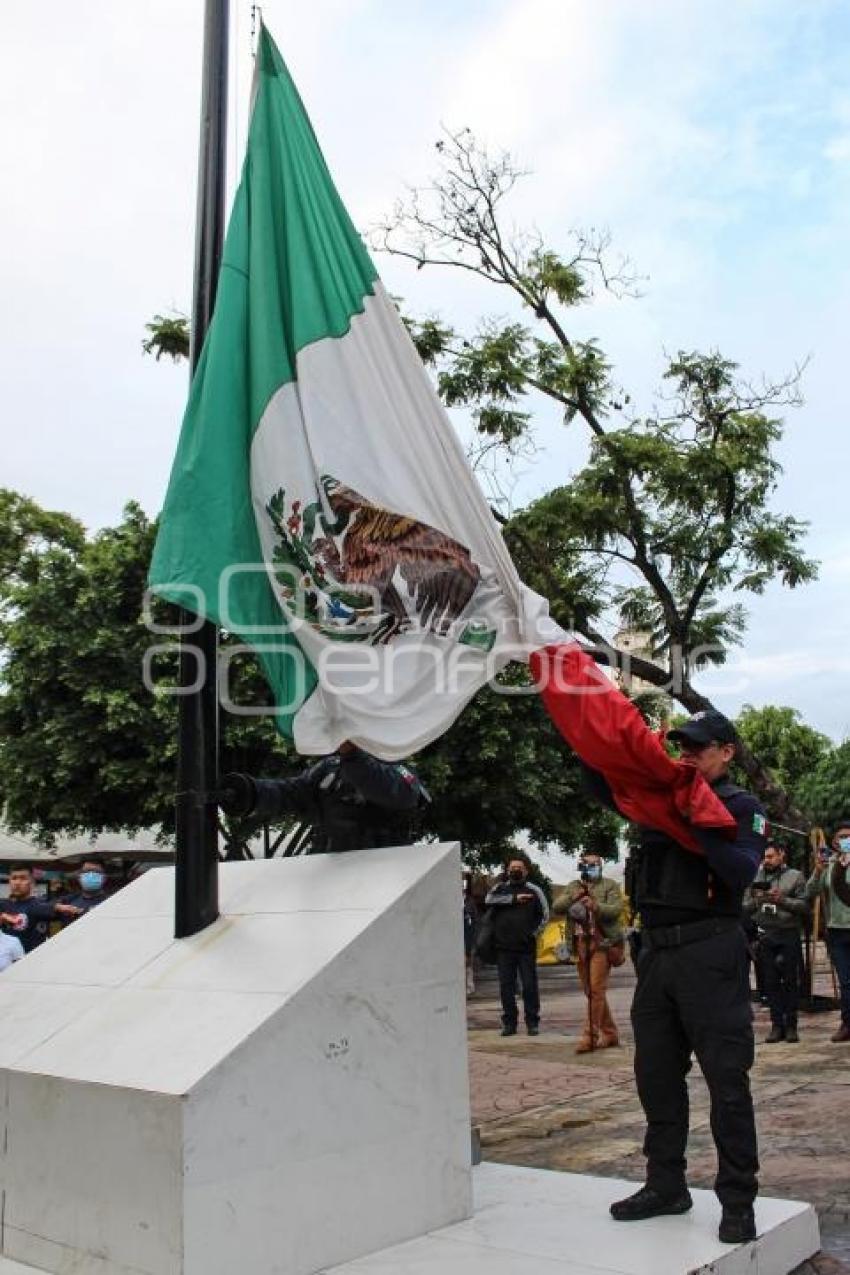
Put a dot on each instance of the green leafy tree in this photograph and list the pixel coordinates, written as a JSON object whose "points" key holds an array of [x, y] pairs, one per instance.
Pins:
{"points": [[671, 523], [826, 791], [27, 532], [784, 743], [168, 334], [86, 746]]}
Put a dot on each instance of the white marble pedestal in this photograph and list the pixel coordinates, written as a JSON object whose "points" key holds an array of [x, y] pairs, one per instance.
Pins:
{"points": [[282, 1092], [535, 1222]]}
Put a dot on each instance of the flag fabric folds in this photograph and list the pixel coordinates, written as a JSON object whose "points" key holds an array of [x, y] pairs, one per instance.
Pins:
{"points": [[609, 735], [320, 506]]}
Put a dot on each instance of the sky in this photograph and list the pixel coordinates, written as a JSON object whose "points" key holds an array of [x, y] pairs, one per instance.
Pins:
{"points": [[713, 141]]}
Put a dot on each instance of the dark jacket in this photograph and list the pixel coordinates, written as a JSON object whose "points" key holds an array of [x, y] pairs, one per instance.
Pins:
{"points": [[669, 885], [39, 914], [351, 801], [515, 924]]}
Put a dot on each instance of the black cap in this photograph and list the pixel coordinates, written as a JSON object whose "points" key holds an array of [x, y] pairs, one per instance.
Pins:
{"points": [[707, 727]]}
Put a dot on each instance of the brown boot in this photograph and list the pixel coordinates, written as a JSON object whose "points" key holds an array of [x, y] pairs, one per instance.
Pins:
{"points": [[585, 1045], [843, 1033], [608, 1042]]}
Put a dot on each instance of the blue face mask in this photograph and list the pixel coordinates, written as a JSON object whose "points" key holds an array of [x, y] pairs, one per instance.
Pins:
{"points": [[844, 845], [91, 881], [591, 872]]}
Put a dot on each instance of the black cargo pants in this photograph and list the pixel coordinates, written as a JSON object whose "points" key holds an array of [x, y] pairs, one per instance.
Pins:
{"points": [[781, 962], [694, 998]]}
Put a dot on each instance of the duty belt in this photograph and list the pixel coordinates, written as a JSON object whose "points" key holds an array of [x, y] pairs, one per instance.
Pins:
{"points": [[691, 932]]}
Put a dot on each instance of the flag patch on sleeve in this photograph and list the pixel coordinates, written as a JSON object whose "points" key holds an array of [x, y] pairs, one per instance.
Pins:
{"points": [[759, 824]]}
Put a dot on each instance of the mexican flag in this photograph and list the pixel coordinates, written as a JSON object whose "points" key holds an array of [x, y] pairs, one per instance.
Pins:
{"points": [[320, 506]]}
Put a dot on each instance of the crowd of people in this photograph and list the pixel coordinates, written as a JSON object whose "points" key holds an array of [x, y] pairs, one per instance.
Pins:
{"points": [[27, 919]]}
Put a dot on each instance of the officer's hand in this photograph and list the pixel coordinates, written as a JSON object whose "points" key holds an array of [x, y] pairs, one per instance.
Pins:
{"points": [[775, 894]]}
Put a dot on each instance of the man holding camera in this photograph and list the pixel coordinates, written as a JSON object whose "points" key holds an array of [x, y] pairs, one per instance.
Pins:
{"points": [[831, 878], [776, 900], [594, 907]]}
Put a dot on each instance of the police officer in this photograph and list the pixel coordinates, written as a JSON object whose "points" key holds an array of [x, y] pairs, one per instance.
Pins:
{"points": [[349, 800], [692, 994]]}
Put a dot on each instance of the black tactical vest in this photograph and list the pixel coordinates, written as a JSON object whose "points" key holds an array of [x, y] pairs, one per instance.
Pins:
{"points": [[663, 874]]}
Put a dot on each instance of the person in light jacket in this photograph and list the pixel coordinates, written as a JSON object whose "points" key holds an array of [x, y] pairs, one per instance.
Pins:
{"points": [[593, 905], [831, 878]]}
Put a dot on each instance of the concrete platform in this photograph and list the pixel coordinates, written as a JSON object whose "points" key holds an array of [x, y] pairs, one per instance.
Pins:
{"points": [[536, 1222], [282, 1092]]}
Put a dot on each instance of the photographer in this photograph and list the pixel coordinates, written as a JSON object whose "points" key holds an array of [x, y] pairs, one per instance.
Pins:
{"points": [[777, 903], [594, 906], [830, 878]]}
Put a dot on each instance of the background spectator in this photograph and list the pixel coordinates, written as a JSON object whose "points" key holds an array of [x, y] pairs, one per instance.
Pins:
{"points": [[519, 913], [829, 879]]}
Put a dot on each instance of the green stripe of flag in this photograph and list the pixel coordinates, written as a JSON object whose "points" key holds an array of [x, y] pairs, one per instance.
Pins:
{"points": [[294, 271]]}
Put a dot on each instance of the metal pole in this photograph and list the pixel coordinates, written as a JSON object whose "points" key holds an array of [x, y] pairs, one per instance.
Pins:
{"points": [[196, 884]]}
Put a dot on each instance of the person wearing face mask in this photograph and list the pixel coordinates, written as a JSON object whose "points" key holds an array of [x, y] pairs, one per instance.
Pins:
{"points": [[593, 905], [776, 900], [831, 878], [518, 912], [92, 879]]}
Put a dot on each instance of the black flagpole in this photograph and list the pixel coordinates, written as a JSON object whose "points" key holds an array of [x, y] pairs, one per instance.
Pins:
{"points": [[196, 883]]}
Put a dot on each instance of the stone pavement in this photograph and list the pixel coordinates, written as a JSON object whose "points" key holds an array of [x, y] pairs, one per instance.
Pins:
{"points": [[539, 1104]]}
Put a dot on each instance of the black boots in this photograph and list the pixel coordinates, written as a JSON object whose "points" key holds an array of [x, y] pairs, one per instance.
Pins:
{"points": [[737, 1226], [648, 1203], [787, 1033]]}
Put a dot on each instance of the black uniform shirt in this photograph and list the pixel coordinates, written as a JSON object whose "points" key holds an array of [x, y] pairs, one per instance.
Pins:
{"points": [[668, 885], [39, 914]]}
